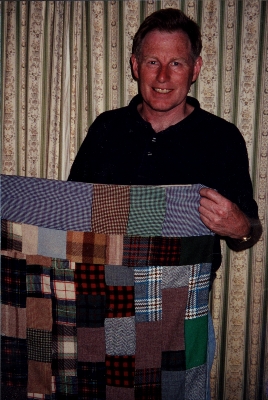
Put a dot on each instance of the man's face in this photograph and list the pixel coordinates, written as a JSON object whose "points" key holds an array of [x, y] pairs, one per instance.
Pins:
{"points": [[165, 70]]}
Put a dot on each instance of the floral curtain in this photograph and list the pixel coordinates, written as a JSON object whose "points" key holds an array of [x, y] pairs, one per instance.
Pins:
{"points": [[64, 62]]}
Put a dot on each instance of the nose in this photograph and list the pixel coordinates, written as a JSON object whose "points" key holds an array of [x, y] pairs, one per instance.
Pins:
{"points": [[163, 73]]}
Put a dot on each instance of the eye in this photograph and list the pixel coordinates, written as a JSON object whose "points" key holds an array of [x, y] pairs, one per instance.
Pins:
{"points": [[175, 63]]}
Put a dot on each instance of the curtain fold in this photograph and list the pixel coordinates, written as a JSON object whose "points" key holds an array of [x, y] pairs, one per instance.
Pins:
{"points": [[63, 63]]}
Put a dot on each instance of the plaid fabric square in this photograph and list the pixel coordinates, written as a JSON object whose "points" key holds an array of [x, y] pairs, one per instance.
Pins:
{"points": [[59, 263], [90, 311], [110, 209], [62, 284], [136, 251], [119, 301], [165, 251], [14, 371], [147, 211], [64, 350], [66, 387], [91, 380], [120, 370], [197, 305], [11, 236], [64, 311], [182, 205], [148, 295], [38, 281], [39, 344], [13, 281], [173, 361], [14, 393], [89, 279], [148, 384], [86, 247]]}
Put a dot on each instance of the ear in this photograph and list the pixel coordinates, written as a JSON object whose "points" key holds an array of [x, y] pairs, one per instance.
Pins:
{"points": [[197, 68], [134, 65]]}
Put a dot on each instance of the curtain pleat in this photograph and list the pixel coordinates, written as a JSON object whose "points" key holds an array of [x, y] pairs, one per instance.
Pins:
{"points": [[65, 62]]}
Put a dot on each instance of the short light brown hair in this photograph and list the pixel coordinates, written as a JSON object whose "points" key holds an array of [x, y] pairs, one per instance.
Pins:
{"points": [[169, 20]]}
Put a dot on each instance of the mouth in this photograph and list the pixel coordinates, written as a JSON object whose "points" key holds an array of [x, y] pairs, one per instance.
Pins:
{"points": [[163, 91]]}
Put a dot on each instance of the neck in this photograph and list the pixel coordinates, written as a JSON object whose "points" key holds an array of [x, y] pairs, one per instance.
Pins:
{"points": [[161, 120]]}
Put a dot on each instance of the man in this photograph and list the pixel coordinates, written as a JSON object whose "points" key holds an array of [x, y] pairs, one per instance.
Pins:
{"points": [[163, 137]]}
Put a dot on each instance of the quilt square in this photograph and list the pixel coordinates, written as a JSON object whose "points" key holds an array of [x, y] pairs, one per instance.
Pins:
{"points": [[120, 370], [165, 251], [14, 393], [90, 311], [147, 211], [29, 239], [148, 345], [66, 387], [119, 301], [110, 209], [135, 251], [148, 384], [148, 296], [64, 350], [89, 279], [39, 313], [173, 361], [13, 281], [198, 376], [59, 263], [91, 344], [182, 205], [38, 260], [120, 336], [62, 284], [114, 249], [14, 369], [91, 380], [174, 304], [11, 233], [197, 305], [38, 281], [116, 392], [86, 247], [118, 275], [51, 242], [13, 321], [64, 311], [173, 386], [196, 249], [39, 344], [40, 377], [196, 338], [176, 276]]}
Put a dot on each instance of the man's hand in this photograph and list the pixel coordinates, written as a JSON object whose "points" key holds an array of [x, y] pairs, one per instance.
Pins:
{"points": [[222, 216]]}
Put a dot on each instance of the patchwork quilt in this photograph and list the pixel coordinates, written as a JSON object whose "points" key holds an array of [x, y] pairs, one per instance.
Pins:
{"points": [[104, 291]]}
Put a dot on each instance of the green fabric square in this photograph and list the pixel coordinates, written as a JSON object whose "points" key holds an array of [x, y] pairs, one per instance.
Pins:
{"points": [[147, 211], [196, 249], [196, 338]]}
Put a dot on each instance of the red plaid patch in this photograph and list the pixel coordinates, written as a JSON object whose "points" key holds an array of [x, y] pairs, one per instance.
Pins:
{"points": [[89, 279], [120, 370], [165, 251], [148, 384], [135, 251], [119, 301]]}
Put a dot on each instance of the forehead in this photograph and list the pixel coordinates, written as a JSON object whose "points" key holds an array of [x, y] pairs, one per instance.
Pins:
{"points": [[169, 42]]}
